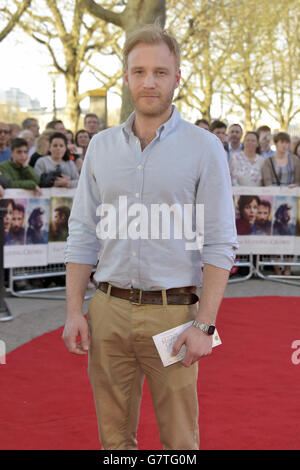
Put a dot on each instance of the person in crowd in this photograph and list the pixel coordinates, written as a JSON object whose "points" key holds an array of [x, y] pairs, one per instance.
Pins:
{"points": [[7, 205], [246, 166], [4, 140], [57, 125], [202, 123], [42, 145], [57, 169], [282, 223], [35, 233], [247, 207], [70, 137], [82, 140], [59, 226], [262, 224], [17, 170], [16, 234], [265, 137], [30, 139], [32, 125], [219, 129], [283, 168], [234, 144], [91, 124], [295, 139], [297, 150], [14, 131], [4, 183]]}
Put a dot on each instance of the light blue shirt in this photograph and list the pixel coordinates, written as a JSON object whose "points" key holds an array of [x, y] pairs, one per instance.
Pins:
{"points": [[5, 154], [183, 164]]}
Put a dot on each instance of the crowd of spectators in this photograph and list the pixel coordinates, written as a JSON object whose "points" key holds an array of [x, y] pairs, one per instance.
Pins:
{"points": [[251, 158], [33, 160]]}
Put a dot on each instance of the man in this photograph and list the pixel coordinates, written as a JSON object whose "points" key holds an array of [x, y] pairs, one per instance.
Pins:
{"points": [[264, 136], [4, 138], [16, 234], [17, 170], [262, 224], [202, 123], [91, 124], [235, 133], [219, 129], [31, 124], [35, 234], [147, 285], [59, 227]]}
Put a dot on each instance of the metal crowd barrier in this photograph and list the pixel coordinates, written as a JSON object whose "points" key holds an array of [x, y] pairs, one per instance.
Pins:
{"points": [[38, 272], [253, 263], [278, 260]]}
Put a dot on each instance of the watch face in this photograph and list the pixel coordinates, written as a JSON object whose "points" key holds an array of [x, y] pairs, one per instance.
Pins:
{"points": [[211, 329]]}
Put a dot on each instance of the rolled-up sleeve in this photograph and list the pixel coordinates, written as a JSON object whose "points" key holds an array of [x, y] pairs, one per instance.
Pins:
{"points": [[82, 244], [214, 191]]}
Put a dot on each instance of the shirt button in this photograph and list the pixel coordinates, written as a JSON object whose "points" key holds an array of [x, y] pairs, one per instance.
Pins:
{"points": [[137, 194], [133, 253], [140, 167]]}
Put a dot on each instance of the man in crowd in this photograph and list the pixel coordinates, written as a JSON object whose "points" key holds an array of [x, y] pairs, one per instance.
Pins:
{"points": [[219, 129], [146, 286], [262, 224], [16, 234], [32, 125], [202, 123], [4, 138], [264, 138], [91, 124], [234, 144], [17, 170]]}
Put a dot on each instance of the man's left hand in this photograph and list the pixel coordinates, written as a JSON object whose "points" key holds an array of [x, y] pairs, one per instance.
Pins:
{"points": [[198, 344]]}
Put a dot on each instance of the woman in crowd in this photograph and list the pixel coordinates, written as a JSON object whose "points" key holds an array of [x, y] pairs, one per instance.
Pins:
{"points": [[42, 145], [283, 168], [297, 150], [57, 169], [247, 206], [82, 140], [246, 166]]}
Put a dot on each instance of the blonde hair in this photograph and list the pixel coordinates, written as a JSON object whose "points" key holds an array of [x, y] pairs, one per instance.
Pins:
{"points": [[151, 34]]}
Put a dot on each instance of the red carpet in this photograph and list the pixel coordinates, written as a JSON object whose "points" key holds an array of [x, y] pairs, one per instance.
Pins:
{"points": [[249, 389]]}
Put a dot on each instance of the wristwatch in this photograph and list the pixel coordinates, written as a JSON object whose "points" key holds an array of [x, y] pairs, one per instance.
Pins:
{"points": [[208, 329]]}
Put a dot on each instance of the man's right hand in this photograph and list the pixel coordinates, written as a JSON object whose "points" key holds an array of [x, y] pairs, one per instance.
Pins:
{"points": [[76, 326]]}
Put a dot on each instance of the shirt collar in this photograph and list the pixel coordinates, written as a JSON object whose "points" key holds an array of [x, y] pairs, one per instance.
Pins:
{"points": [[161, 132]]}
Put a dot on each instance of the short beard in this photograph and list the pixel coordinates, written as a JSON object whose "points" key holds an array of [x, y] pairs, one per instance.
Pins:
{"points": [[154, 111]]}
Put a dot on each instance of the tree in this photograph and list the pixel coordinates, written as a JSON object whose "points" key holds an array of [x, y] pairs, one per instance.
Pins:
{"points": [[204, 50], [13, 18], [279, 94], [71, 37], [136, 13]]}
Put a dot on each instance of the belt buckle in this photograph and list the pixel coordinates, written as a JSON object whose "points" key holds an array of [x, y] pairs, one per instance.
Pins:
{"points": [[135, 297]]}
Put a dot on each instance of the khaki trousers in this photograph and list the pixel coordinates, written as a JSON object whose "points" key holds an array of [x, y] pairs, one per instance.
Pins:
{"points": [[121, 354]]}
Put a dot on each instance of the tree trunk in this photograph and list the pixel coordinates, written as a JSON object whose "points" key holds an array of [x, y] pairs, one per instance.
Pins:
{"points": [[72, 109]]}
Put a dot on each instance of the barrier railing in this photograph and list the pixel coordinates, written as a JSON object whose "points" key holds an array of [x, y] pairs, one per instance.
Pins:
{"points": [[278, 260]]}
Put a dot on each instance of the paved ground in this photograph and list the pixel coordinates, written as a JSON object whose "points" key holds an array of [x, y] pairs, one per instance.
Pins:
{"points": [[33, 317]]}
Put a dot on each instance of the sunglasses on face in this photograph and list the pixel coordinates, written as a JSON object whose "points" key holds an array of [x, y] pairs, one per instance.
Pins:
{"points": [[2, 131]]}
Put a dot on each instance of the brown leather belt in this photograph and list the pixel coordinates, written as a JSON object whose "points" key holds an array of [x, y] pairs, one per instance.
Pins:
{"points": [[176, 296]]}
